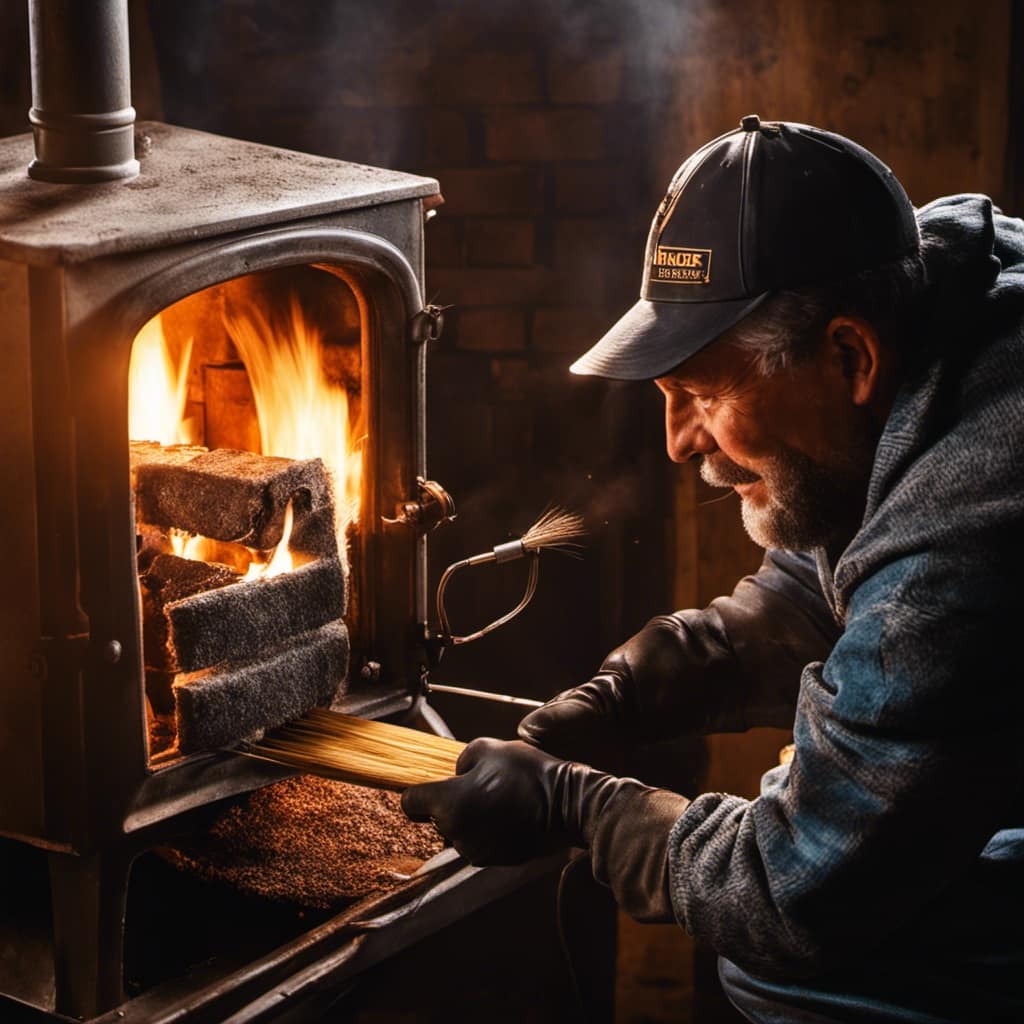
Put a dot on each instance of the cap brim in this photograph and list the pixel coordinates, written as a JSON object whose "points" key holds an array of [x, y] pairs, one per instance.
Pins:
{"points": [[655, 337]]}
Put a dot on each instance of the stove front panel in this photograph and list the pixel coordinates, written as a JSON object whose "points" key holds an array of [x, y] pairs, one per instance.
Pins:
{"points": [[22, 681], [80, 741]]}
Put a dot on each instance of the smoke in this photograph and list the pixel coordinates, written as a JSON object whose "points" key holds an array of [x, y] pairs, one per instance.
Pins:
{"points": [[351, 78]]}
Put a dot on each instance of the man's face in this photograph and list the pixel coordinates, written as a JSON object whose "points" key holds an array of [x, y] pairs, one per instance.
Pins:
{"points": [[794, 445]]}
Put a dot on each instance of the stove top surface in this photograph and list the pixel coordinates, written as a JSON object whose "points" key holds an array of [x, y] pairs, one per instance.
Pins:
{"points": [[192, 185]]}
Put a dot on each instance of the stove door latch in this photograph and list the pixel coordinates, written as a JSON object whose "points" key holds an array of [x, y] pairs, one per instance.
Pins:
{"points": [[434, 507], [428, 324]]}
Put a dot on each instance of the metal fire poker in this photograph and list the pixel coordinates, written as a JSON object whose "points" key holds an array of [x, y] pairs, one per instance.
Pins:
{"points": [[556, 530], [501, 698]]}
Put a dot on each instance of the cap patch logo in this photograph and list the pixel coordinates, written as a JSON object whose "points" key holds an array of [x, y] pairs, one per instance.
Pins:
{"points": [[674, 264]]}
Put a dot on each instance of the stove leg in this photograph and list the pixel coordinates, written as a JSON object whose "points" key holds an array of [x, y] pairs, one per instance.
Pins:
{"points": [[88, 896]]}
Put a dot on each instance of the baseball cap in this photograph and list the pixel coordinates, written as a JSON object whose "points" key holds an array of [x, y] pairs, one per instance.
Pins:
{"points": [[768, 206]]}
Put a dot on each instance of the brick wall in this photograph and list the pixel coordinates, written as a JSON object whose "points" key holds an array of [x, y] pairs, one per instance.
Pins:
{"points": [[548, 198]]}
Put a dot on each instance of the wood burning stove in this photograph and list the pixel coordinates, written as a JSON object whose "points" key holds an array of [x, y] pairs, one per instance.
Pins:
{"points": [[83, 269]]}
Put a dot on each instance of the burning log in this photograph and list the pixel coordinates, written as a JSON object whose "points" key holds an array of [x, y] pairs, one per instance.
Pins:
{"points": [[260, 651], [167, 580], [218, 707], [233, 623], [148, 453], [233, 495]]}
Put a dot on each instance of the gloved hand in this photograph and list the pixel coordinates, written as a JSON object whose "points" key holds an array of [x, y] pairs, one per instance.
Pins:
{"points": [[733, 665], [592, 723], [649, 688], [505, 805], [510, 802]]}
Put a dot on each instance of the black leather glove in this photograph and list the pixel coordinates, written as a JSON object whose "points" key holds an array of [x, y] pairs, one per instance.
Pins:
{"points": [[593, 723], [510, 802], [734, 665], [649, 688]]}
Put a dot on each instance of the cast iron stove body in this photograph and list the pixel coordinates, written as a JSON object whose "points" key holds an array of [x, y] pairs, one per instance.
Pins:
{"points": [[82, 268]]}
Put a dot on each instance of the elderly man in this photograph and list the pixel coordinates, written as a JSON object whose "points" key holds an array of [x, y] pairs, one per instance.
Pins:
{"points": [[855, 371]]}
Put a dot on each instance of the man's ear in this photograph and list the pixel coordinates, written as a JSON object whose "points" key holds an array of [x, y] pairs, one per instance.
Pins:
{"points": [[859, 350]]}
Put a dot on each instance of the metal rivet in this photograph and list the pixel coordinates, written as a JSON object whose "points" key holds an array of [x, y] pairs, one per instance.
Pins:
{"points": [[112, 652]]}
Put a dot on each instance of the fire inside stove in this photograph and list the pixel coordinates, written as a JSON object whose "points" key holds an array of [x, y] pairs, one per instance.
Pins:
{"points": [[247, 427]]}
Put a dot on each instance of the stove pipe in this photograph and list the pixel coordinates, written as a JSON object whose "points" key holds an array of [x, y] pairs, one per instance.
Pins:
{"points": [[81, 115]]}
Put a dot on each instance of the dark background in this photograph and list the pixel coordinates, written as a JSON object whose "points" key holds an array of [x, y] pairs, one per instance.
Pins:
{"points": [[553, 128]]}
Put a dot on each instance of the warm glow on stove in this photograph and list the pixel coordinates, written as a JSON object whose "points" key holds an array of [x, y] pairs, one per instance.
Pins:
{"points": [[301, 414], [157, 389]]}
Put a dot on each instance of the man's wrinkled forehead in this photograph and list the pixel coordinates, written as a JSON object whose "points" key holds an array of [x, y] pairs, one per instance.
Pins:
{"points": [[722, 358]]}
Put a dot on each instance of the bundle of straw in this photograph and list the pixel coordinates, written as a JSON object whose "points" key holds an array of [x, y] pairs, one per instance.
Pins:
{"points": [[358, 750], [557, 529]]}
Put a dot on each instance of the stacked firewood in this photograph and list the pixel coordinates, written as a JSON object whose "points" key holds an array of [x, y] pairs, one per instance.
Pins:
{"points": [[226, 656]]}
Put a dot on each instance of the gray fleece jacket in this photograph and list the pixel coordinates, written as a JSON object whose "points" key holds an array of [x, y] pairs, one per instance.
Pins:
{"points": [[898, 829]]}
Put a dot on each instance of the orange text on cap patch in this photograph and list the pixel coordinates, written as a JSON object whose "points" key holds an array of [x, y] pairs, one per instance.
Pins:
{"points": [[677, 265]]}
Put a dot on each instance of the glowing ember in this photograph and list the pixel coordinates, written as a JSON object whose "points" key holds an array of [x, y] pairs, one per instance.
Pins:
{"points": [[187, 545], [282, 560], [157, 389]]}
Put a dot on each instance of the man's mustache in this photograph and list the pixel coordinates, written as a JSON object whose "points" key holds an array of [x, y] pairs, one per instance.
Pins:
{"points": [[719, 471]]}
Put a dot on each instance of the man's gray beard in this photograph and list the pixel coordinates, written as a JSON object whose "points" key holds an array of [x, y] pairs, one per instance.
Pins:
{"points": [[809, 505]]}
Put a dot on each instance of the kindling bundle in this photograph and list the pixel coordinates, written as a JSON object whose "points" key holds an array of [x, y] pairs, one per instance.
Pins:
{"points": [[359, 750]]}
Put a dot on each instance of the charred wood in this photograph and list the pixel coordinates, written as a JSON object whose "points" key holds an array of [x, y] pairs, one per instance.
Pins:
{"points": [[169, 579], [218, 707], [228, 495], [234, 623]]}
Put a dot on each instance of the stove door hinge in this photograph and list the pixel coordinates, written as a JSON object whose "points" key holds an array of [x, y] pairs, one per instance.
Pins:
{"points": [[433, 507], [427, 324]]}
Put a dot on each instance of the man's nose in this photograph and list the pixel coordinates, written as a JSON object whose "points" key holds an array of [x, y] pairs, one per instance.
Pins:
{"points": [[686, 433]]}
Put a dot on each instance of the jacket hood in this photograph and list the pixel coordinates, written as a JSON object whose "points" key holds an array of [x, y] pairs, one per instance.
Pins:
{"points": [[974, 256], [949, 463]]}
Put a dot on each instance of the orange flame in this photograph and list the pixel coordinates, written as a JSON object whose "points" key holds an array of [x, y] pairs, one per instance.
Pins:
{"points": [[158, 389], [301, 414], [186, 545], [282, 560]]}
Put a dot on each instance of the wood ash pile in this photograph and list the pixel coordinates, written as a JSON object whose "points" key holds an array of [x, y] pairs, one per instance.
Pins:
{"points": [[309, 842]]}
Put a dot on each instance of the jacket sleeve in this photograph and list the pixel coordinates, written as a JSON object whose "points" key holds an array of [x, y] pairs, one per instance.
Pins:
{"points": [[908, 756], [735, 664]]}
